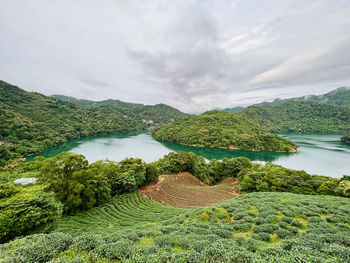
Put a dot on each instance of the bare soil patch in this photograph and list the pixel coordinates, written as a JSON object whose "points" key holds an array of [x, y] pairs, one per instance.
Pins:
{"points": [[186, 191]]}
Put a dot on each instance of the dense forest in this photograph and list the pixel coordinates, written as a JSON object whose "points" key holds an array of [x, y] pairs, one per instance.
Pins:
{"points": [[300, 117], [31, 122], [337, 97], [221, 129], [159, 113]]}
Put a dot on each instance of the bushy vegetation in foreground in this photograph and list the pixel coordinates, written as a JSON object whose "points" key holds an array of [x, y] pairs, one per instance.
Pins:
{"points": [[26, 210], [221, 129], [275, 178], [31, 122], [346, 138], [255, 227], [300, 117], [79, 185]]}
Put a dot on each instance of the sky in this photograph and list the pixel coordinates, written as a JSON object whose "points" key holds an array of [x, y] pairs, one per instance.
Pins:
{"points": [[193, 55]]}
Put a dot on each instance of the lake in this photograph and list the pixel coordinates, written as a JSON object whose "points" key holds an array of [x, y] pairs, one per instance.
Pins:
{"points": [[318, 154]]}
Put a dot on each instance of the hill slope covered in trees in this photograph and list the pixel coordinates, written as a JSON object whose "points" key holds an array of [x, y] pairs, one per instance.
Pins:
{"points": [[337, 97], [31, 122], [300, 117], [221, 129]]}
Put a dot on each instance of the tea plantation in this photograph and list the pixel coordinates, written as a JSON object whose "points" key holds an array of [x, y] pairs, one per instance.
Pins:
{"points": [[254, 227]]}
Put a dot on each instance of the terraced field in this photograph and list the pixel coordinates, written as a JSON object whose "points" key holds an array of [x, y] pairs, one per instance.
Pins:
{"points": [[123, 211], [252, 228], [183, 190]]}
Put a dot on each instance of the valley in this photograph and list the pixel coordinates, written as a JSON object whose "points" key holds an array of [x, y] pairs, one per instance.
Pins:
{"points": [[135, 192]]}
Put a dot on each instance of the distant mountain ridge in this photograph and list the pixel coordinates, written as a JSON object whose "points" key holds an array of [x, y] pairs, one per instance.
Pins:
{"points": [[31, 122], [300, 116], [91, 103], [338, 97], [158, 113]]}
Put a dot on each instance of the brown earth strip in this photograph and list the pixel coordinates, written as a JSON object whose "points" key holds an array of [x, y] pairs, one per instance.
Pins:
{"points": [[186, 191]]}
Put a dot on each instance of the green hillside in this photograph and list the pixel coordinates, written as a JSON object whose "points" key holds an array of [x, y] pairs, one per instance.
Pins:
{"points": [[159, 113], [255, 227], [338, 97], [221, 129], [31, 122], [300, 117], [234, 110]]}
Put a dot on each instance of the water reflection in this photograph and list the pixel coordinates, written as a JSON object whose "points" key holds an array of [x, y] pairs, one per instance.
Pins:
{"points": [[211, 153], [318, 154]]}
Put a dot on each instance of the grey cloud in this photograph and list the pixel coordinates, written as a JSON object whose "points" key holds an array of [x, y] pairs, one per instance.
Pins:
{"points": [[195, 55], [95, 83]]}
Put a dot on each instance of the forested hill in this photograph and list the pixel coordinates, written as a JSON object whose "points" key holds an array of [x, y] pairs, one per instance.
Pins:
{"points": [[300, 117], [159, 113], [92, 103], [221, 129], [337, 97], [31, 122]]}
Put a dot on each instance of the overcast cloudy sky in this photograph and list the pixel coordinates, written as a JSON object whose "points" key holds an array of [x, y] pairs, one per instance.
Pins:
{"points": [[194, 55]]}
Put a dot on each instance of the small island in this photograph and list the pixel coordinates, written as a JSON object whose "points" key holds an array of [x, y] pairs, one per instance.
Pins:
{"points": [[221, 129], [346, 138]]}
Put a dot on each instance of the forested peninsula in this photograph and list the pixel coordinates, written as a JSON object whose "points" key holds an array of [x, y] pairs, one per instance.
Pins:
{"points": [[31, 122], [346, 138], [221, 129]]}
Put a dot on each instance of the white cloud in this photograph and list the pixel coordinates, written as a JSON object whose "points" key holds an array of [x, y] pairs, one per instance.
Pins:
{"points": [[194, 54]]}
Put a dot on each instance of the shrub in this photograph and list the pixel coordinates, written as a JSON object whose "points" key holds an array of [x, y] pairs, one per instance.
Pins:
{"points": [[119, 250], [267, 228], [28, 211], [262, 236]]}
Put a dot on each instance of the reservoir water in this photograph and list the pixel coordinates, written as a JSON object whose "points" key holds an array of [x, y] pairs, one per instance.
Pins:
{"points": [[318, 154]]}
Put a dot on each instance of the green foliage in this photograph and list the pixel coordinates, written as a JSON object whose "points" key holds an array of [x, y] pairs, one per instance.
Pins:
{"points": [[26, 210], [221, 129], [31, 122], [5, 155], [183, 162], [135, 229], [275, 178], [69, 177], [152, 172], [337, 97], [209, 173], [80, 186], [343, 188], [300, 117], [346, 138], [219, 170]]}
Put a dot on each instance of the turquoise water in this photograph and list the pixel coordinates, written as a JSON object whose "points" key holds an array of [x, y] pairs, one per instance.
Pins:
{"points": [[318, 154]]}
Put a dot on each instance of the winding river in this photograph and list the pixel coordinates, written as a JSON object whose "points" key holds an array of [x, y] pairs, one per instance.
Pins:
{"points": [[318, 154]]}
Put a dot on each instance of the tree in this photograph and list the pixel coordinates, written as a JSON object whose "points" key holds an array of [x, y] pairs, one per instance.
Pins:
{"points": [[152, 172], [75, 184]]}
